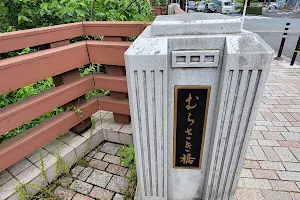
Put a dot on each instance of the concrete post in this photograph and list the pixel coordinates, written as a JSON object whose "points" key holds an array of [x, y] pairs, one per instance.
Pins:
{"points": [[203, 74]]}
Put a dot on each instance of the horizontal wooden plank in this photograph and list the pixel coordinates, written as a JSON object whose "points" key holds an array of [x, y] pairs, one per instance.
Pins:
{"points": [[26, 143], [21, 112], [114, 105], [109, 28], [33, 37], [106, 52], [114, 83], [23, 70]]}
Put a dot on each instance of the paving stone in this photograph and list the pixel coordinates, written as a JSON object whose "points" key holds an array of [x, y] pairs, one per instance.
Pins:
{"points": [[292, 166], [276, 195], [34, 157], [273, 143], [126, 128], [270, 135], [112, 159], [264, 174], [88, 159], [100, 193], [241, 183], [250, 154], [260, 128], [284, 186], [289, 176], [118, 197], [251, 164], [295, 196], [246, 173], [117, 184], [116, 169], [99, 178], [8, 188], [4, 177], [81, 187], [85, 173], [248, 194], [256, 135], [79, 196], [63, 193], [76, 171], [65, 181], [29, 174], [270, 153], [99, 155], [276, 128], [289, 143], [285, 154], [110, 148], [98, 164], [291, 135], [271, 165], [91, 154], [259, 153], [296, 152], [257, 183], [19, 167]]}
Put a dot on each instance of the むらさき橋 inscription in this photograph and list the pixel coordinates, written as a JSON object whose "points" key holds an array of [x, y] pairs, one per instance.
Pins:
{"points": [[191, 105]]}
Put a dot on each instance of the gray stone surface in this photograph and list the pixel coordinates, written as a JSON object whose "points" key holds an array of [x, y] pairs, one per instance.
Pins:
{"points": [[81, 187], [195, 24], [118, 197], [117, 184], [116, 169], [79, 196], [63, 193], [4, 177], [65, 181], [99, 178], [76, 171], [110, 148], [99, 155], [19, 167], [112, 159], [85, 173], [234, 102], [100, 193], [98, 164]]}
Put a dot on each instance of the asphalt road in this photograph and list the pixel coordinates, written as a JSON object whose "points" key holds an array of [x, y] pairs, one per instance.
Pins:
{"points": [[271, 30]]}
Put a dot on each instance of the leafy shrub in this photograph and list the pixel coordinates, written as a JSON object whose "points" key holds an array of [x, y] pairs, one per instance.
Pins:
{"points": [[251, 10], [26, 14]]}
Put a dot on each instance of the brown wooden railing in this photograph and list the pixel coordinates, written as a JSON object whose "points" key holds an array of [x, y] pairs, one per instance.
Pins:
{"points": [[61, 61]]}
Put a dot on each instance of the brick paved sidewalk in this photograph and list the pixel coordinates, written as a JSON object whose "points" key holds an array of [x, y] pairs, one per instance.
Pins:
{"points": [[272, 168], [104, 178]]}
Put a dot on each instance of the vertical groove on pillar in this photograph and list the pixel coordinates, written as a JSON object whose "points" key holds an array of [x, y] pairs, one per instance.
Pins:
{"points": [[223, 119], [138, 135], [149, 87], [244, 85], [246, 136]]}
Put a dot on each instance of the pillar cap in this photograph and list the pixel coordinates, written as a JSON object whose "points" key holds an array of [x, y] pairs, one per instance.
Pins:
{"points": [[195, 24]]}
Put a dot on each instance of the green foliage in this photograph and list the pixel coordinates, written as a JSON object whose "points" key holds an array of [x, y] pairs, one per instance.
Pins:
{"points": [[128, 159], [60, 166], [42, 167], [24, 14], [22, 190], [251, 10]]}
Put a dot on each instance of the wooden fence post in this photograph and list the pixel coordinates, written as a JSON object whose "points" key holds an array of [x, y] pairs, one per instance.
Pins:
{"points": [[68, 77], [114, 70]]}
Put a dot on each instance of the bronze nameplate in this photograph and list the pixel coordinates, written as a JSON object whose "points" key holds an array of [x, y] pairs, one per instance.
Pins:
{"points": [[190, 114]]}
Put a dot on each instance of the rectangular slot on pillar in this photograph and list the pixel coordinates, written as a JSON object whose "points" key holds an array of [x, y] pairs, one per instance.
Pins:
{"points": [[195, 59], [209, 58], [180, 59]]}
